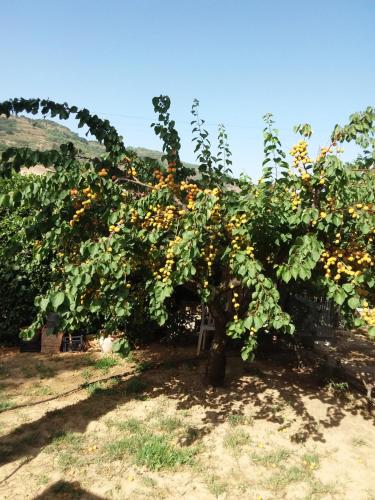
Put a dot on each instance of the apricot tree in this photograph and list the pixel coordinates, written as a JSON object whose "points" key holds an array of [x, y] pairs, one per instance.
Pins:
{"points": [[124, 232]]}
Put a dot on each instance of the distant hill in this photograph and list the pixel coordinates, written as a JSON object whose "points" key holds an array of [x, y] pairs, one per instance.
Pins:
{"points": [[47, 134]]}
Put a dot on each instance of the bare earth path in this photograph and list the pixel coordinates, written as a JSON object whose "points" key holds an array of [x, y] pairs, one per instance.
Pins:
{"points": [[272, 432]]}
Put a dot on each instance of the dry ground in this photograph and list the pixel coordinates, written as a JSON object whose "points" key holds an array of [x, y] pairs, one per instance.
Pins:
{"points": [[159, 432]]}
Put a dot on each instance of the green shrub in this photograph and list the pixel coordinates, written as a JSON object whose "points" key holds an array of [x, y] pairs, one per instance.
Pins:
{"points": [[21, 278]]}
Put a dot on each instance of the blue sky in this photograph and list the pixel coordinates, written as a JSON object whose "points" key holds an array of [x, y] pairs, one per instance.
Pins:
{"points": [[303, 61]]}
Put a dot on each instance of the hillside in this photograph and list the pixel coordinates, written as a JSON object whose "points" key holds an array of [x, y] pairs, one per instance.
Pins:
{"points": [[47, 134]]}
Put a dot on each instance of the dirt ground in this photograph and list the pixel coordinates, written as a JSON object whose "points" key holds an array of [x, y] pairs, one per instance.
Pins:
{"points": [[153, 429]]}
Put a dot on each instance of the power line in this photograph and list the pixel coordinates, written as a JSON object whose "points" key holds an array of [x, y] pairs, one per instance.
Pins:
{"points": [[151, 119]]}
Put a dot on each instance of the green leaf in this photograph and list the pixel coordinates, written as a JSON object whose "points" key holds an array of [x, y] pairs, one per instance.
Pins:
{"points": [[286, 275], [44, 304], [4, 200], [371, 331], [340, 297], [353, 302], [258, 323], [57, 300]]}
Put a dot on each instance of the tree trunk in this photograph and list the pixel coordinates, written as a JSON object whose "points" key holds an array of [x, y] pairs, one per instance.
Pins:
{"points": [[217, 356]]}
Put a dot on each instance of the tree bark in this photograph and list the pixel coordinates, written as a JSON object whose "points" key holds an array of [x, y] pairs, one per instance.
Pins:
{"points": [[217, 355]]}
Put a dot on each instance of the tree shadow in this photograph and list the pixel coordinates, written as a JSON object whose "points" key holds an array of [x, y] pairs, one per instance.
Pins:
{"points": [[64, 489], [264, 386], [23, 367]]}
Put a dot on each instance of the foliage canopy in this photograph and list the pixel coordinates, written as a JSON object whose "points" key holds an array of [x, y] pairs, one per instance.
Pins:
{"points": [[121, 231]]}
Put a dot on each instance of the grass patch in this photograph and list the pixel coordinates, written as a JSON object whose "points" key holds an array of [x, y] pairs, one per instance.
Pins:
{"points": [[98, 387], [150, 450], [105, 363], [358, 442], [67, 460], [319, 489], [95, 387], [68, 447], [236, 439], [135, 386], [86, 375], [41, 480], [311, 460], [277, 408], [216, 486], [42, 390], [132, 425], [66, 440], [169, 364], [44, 371], [272, 458], [235, 419], [27, 372], [339, 388], [148, 482], [170, 424], [144, 366], [285, 477], [3, 371], [5, 404]]}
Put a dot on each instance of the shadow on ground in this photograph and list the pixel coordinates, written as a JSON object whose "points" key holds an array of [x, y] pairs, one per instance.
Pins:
{"points": [[21, 367], [65, 490], [264, 385]]}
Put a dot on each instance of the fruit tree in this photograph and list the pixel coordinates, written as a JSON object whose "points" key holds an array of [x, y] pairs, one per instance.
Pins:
{"points": [[122, 232]]}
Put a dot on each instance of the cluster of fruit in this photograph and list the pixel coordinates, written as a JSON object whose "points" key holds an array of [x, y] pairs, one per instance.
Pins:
{"points": [[296, 200], [323, 153], [209, 257], [343, 262], [115, 228], [166, 271], [300, 154], [236, 221], [236, 306], [159, 217], [103, 172], [353, 211], [191, 193], [170, 176], [132, 171], [88, 197], [238, 242], [215, 191], [133, 216], [322, 180], [161, 181], [235, 302], [368, 314], [305, 176]]}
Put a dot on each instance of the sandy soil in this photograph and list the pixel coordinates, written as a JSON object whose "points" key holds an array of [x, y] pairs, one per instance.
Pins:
{"points": [[272, 432]]}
